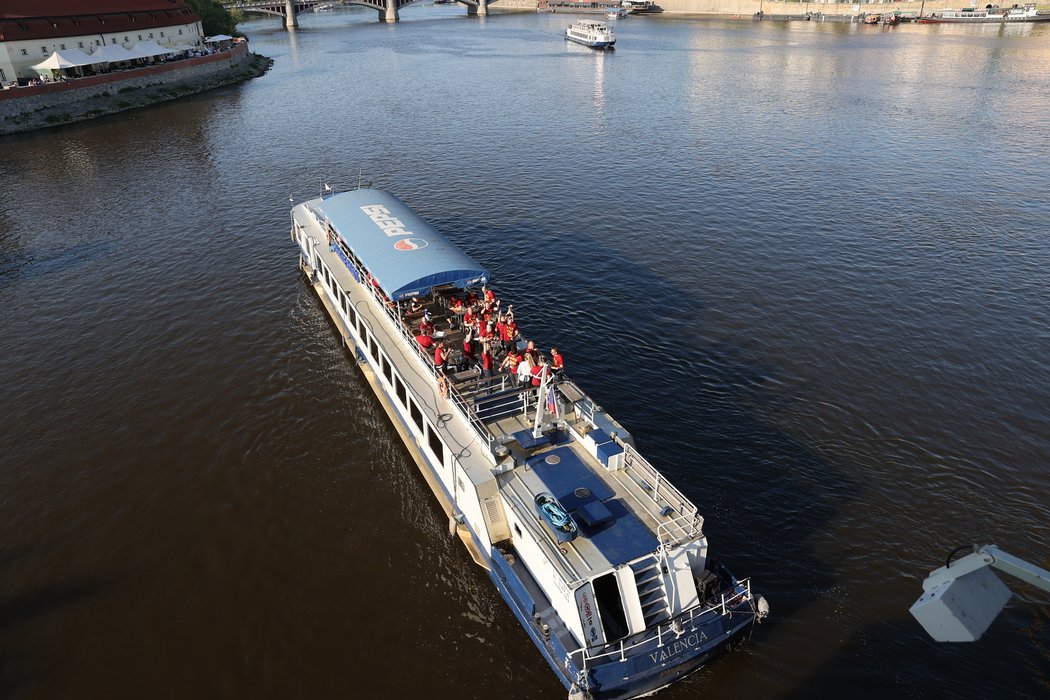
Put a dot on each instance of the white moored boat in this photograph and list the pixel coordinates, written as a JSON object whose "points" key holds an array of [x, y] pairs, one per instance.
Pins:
{"points": [[990, 14], [591, 33], [601, 559]]}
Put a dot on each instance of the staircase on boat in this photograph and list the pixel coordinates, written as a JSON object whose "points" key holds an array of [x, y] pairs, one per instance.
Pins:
{"points": [[652, 594]]}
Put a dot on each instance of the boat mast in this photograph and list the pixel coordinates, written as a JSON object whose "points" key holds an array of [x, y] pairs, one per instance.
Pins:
{"points": [[540, 401]]}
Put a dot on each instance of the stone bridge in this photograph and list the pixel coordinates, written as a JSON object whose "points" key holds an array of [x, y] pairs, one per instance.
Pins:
{"points": [[388, 10]]}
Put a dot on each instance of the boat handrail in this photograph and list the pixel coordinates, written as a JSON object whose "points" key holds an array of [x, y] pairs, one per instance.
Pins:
{"points": [[684, 524], [362, 275], [658, 486], [674, 626]]}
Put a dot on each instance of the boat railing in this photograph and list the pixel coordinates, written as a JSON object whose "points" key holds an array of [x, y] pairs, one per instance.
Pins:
{"points": [[665, 632], [363, 277], [664, 496]]}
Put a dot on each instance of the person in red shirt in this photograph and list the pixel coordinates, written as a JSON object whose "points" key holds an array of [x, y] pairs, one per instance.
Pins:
{"points": [[539, 371], [557, 362], [486, 360], [468, 346], [532, 352], [426, 327], [469, 317], [503, 332], [440, 356], [490, 296], [510, 362]]}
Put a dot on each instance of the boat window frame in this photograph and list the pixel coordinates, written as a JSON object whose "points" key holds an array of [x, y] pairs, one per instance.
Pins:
{"points": [[373, 348], [399, 390], [351, 313], [436, 445], [416, 413]]}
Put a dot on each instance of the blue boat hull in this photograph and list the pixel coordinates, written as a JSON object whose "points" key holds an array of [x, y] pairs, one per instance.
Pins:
{"points": [[650, 666], [594, 44]]}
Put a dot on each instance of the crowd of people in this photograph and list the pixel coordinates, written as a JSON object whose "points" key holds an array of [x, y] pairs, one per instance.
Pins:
{"points": [[491, 341]]}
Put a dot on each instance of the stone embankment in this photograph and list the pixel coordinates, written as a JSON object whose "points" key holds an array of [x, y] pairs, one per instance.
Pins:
{"points": [[52, 104], [748, 9]]}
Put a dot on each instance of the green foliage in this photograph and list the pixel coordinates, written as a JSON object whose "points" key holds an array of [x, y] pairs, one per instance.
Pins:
{"points": [[215, 18]]}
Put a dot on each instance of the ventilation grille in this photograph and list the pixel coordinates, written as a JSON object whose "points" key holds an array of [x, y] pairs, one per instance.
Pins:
{"points": [[493, 511]]}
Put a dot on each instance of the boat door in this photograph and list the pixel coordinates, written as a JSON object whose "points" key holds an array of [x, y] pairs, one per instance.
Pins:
{"points": [[592, 626]]}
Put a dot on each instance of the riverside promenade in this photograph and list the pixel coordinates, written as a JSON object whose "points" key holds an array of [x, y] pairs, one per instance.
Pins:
{"points": [[34, 107]]}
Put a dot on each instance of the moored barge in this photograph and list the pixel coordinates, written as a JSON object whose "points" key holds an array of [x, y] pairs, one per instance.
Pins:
{"points": [[603, 561]]}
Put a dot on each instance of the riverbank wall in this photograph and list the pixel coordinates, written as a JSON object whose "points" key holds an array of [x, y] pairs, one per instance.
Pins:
{"points": [[41, 106], [837, 11], [750, 9]]}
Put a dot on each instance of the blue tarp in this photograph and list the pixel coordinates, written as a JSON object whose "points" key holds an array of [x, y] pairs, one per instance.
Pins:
{"points": [[406, 255]]}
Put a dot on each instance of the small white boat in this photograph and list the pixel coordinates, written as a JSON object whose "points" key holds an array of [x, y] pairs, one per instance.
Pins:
{"points": [[591, 33], [618, 13]]}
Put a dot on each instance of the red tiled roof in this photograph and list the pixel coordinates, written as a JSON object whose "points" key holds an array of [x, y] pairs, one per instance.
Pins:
{"points": [[25, 19]]}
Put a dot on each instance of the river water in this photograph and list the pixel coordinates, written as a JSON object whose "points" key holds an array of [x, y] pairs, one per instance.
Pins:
{"points": [[805, 264]]}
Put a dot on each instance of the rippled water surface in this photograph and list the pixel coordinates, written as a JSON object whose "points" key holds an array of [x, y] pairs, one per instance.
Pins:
{"points": [[805, 264]]}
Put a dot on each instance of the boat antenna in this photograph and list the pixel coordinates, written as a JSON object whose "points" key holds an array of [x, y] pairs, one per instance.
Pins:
{"points": [[359, 174]]}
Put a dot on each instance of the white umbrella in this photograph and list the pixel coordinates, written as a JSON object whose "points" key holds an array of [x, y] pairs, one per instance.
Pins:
{"points": [[146, 49], [61, 60], [111, 53], [217, 38]]}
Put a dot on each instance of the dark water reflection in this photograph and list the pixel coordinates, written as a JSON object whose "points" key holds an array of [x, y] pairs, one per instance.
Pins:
{"points": [[805, 264]]}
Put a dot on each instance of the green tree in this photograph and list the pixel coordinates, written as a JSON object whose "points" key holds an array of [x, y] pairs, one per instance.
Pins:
{"points": [[215, 18]]}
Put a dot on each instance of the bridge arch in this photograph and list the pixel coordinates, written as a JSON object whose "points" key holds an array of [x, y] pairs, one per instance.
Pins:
{"points": [[388, 10]]}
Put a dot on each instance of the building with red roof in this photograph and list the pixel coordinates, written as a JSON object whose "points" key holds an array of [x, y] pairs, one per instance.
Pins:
{"points": [[31, 30]]}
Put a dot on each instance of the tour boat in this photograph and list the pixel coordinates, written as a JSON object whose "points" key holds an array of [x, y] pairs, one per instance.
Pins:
{"points": [[599, 556], [588, 32], [986, 15], [618, 13], [638, 7]]}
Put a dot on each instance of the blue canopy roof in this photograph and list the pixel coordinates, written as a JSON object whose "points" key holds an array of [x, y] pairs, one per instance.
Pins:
{"points": [[406, 255]]}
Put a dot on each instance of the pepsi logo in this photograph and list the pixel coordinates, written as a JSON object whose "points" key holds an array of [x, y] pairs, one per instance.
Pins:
{"points": [[410, 244]]}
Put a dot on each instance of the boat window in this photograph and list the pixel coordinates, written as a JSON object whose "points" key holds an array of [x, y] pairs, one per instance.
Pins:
{"points": [[399, 387], [436, 446], [350, 313], [387, 371], [416, 415], [610, 607], [373, 348]]}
